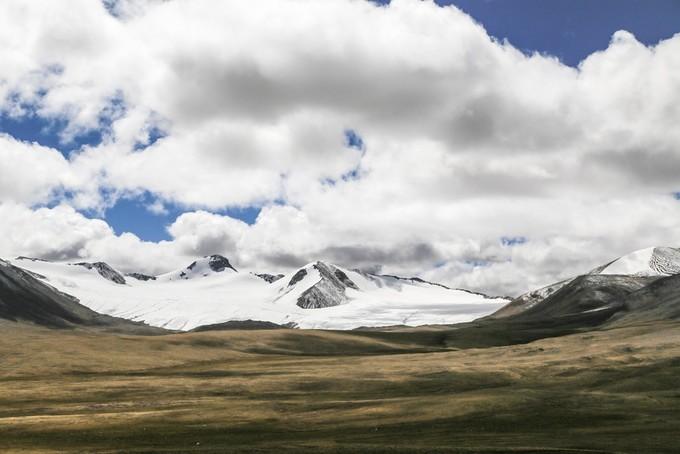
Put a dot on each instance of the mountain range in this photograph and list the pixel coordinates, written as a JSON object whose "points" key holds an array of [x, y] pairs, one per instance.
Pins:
{"points": [[211, 292]]}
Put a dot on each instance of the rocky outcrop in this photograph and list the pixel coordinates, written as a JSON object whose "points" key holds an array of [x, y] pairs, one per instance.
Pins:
{"points": [[269, 278], [203, 267], [297, 277], [219, 263], [141, 277], [104, 271], [329, 291]]}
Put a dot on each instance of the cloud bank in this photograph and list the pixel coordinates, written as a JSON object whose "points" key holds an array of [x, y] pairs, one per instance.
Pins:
{"points": [[466, 140]]}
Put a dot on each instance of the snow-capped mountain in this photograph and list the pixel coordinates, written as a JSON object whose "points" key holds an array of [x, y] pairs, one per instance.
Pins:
{"points": [[211, 291], [25, 297], [529, 299], [653, 261], [202, 267], [630, 269], [322, 286]]}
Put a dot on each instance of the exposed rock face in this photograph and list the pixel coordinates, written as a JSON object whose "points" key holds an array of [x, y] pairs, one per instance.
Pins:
{"points": [[205, 266], [342, 277], [329, 291], [141, 277], [104, 271], [32, 259], [219, 263], [297, 277], [269, 277]]}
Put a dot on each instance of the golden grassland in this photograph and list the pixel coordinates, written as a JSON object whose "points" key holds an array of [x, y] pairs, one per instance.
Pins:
{"points": [[615, 390]]}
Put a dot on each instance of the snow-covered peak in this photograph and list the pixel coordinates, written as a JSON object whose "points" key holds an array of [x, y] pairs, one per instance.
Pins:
{"points": [[202, 267], [317, 285], [653, 261], [103, 269], [648, 262]]}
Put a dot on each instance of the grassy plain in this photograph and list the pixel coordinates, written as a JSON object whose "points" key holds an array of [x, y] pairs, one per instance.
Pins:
{"points": [[615, 390]]}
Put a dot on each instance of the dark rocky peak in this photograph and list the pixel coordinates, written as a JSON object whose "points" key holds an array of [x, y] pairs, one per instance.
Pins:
{"points": [[32, 259], [269, 278], [417, 280], [329, 291], [297, 277], [219, 263], [335, 275], [141, 276], [202, 267], [104, 271]]}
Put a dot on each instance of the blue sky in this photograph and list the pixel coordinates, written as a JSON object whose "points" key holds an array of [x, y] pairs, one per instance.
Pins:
{"points": [[567, 29], [131, 215], [571, 29]]}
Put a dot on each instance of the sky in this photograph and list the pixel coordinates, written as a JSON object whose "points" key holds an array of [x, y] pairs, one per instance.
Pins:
{"points": [[485, 144], [571, 29]]}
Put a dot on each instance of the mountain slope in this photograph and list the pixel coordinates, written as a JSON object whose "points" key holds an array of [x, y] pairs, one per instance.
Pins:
{"points": [[528, 300], [104, 270], [586, 298], [23, 297], [653, 262], [659, 300], [585, 303], [640, 287]]}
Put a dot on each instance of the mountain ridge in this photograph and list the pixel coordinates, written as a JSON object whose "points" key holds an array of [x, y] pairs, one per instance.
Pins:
{"points": [[641, 286], [26, 298], [318, 295]]}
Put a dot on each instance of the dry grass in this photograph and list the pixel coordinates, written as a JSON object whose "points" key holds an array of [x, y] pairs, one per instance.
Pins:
{"points": [[311, 391]]}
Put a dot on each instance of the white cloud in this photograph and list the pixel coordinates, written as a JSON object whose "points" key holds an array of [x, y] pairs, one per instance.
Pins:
{"points": [[58, 233], [201, 233], [467, 139], [30, 173]]}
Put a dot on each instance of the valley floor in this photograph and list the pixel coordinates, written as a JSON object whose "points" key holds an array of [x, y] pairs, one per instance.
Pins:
{"points": [[311, 391]]}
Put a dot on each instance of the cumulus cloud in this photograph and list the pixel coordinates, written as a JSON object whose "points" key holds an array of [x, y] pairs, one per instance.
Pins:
{"points": [[58, 233], [211, 105], [202, 233], [30, 173]]}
